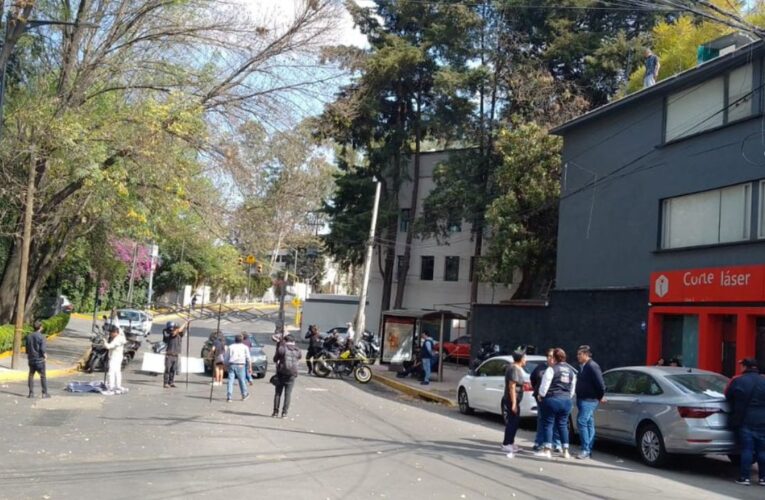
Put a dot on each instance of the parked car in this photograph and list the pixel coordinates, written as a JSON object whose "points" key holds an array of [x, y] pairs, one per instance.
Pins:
{"points": [[258, 355], [457, 349], [135, 320], [483, 388], [665, 410], [63, 305]]}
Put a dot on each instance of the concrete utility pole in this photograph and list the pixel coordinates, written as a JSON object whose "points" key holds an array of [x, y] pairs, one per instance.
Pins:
{"points": [[360, 319], [26, 240], [152, 260]]}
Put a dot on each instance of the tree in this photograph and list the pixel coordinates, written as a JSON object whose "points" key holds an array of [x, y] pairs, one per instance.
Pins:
{"points": [[524, 217], [117, 119]]}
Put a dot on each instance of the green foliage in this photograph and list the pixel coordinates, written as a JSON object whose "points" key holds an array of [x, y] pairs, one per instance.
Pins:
{"points": [[51, 326], [524, 218]]}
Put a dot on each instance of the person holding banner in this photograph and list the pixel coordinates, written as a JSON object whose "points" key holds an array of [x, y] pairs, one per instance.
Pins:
{"points": [[172, 336]]}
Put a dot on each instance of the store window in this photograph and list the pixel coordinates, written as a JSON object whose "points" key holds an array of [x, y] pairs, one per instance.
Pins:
{"points": [[708, 218], [709, 105], [452, 269], [427, 263]]}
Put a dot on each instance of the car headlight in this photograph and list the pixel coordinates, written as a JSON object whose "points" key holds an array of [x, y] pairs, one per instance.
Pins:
{"points": [[258, 359]]}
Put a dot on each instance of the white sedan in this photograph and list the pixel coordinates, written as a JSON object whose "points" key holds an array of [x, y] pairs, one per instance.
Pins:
{"points": [[483, 388], [135, 320]]}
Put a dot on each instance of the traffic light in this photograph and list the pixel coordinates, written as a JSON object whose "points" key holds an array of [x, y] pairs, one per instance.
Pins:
{"points": [[260, 268], [241, 260]]}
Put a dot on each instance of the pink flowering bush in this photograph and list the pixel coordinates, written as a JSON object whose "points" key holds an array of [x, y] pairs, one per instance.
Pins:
{"points": [[123, 251]]}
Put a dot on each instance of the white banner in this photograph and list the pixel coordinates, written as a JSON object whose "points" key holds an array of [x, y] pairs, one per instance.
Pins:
{"points": [[155, 363]]}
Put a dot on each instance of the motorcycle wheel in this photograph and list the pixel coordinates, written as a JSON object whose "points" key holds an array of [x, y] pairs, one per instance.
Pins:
{"points": [[125, 360], [321, 367], [363, 374]]}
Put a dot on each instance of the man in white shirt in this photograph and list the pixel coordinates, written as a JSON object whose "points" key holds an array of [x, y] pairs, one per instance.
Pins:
{"points": [[237, 360], [116, 347]]}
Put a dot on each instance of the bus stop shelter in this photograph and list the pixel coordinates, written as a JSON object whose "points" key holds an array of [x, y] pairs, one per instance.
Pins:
{"points": [[402, 327]]}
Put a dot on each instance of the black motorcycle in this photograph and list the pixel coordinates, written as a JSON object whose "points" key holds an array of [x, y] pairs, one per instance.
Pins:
{"points": [[353, 361], [133, 344], [98, 360]]}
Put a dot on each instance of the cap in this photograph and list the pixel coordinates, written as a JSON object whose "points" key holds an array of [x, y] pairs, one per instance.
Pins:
{"points": [[748, 362]]}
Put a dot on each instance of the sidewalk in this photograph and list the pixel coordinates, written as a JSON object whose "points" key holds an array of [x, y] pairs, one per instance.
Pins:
{"points": [[64, 353], [444, 392]]}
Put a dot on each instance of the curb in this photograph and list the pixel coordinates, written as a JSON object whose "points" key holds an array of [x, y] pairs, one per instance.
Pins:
{"points": [[19, 376], [413, 391]]}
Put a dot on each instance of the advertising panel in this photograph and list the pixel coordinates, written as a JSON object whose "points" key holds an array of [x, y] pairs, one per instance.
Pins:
{"points": [[398, 337]]}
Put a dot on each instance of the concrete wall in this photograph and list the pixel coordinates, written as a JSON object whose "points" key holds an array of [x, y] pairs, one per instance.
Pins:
{"points": [[611, 322], [435, 294], [610, 238]]}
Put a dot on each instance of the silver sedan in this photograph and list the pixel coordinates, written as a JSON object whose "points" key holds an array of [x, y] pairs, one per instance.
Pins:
{"points": [[665, 410]]}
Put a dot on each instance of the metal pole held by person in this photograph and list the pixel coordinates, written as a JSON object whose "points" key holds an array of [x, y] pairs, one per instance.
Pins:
{"points": [[188, 342]]}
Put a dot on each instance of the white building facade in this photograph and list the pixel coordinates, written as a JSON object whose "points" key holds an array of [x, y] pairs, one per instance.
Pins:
{"points": [[439, 273]]}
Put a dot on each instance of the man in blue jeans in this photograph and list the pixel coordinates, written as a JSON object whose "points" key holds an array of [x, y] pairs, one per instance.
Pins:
{"points": [[237, 359], [426, 355], [746, 396], [590, 390]]}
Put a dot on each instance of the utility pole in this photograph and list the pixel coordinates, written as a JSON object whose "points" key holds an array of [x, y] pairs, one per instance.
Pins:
{"points": [[154, 255], [360, 319], [26, 240]]}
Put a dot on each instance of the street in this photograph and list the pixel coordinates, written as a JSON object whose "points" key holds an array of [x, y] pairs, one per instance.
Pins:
{"points": [[341, 440]]}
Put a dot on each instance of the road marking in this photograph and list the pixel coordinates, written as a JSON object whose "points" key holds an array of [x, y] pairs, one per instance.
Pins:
{"points": [[316, 389]]}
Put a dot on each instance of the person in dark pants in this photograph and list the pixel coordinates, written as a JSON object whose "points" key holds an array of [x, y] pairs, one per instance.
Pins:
{"points": [[36, 356], [286, 358], [172, 336], [746, 396], [248, 369], [426, 355], [512, 400], [556, 391], [536, 380], [314, 346], [590, 389]]}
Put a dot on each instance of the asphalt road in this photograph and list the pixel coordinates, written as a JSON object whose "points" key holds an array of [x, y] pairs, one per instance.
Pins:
{"points": [[342, 440]]}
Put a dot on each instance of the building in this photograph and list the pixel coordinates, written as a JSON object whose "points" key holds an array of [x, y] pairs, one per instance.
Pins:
{"points": [[663, 201], [439, 273]]}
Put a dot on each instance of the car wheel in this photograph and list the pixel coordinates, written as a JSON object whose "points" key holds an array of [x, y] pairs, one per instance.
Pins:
{"points": [[734, 458], [464, 404], [650, 444], [260, 375]]}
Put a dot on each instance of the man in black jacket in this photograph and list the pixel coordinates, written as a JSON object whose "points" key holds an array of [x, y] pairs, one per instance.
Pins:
{"points": [[746, 397], [36, 356], [590, 389]]}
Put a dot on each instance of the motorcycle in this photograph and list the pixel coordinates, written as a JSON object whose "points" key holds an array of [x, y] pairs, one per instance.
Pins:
{"points": [[354, 361], [98, 360], [487, 350], [132, 345]]}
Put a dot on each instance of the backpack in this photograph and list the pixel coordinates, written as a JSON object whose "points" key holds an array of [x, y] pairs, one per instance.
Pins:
{"points": [[288, 364]]}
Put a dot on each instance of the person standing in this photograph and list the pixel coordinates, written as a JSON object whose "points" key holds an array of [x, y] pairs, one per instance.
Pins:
{"points": [[116, 347], [514, 380], [590, 390], [652, 66], [746, 396], [36, 357], [314, 346], [536, 380], [556, 391], [351, 332], [237, 359], [286, 358], [426, 355], [247, 369], [218, 354], [172, 336]]}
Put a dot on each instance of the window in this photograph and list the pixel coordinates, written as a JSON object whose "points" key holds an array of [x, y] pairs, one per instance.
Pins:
{"points": [[452, 269], [403, 220], [454, 224], [708, 105], [400, 267], [708, 218], [761, 224], [612, 380], [639, 384], [493, 368], [426, 268]]}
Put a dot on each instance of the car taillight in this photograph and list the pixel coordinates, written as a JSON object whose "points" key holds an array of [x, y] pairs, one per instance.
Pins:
{"points": [[696, 412], [527, 387]]}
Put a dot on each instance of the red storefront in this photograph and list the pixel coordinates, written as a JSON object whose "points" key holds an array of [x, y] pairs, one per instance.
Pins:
{"points": [[709, 317]]}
